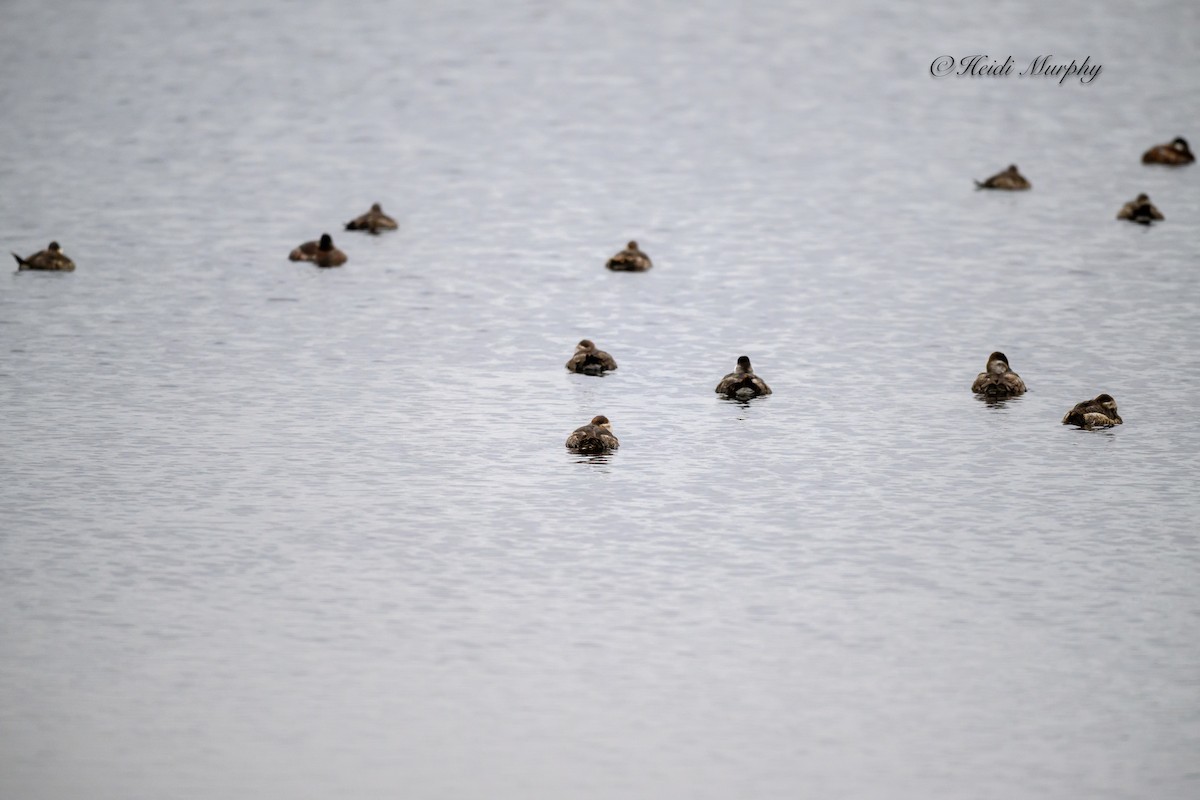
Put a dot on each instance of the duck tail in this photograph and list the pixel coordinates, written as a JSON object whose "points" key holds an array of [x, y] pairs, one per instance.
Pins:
{"points": [[980, 185], [22, 263]]}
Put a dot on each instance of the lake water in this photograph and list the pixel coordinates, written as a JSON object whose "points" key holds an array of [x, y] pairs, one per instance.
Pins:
{"points": [[279, 532]]}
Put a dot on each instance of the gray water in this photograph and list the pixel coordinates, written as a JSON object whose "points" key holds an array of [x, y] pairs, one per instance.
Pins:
{"points": [[272, 531]]}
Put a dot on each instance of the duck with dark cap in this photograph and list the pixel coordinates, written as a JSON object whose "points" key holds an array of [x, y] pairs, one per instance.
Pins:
{"points": [[52, 259], [742, 383], [590, 361], [1175, 153], [1100, 412], [321, 253], [998, 379], [1141, 210], [595, 437]]}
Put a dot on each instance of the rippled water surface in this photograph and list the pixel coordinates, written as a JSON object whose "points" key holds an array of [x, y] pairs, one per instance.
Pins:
{"points": [[279, 532]]}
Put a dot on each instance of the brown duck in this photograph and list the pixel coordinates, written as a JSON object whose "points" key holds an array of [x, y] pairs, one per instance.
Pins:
{"points": [[373, 221], [998, 379], [1140, 209], [1175, 153], [52, 259], [742, 383], [595, 437], [631, 259], [1098, 413], [590, 361], [321, 253], [1010, 179]]}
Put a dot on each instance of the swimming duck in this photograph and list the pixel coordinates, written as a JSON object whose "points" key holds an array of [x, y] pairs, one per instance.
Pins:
{"points": [[1140, 209], [321, 253], [998, 380], [631, 259], [1009, 179], [1098, 413], [595, 437], [742, 383], [590, 361], [373, 221], [1175, 153], [52, 259]]}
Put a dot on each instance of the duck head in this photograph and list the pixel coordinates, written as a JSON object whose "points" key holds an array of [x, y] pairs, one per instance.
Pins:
{"points": [[585, 346], [326, 242], [376, 208], [1109, 405], [602, 422], [1012, 169], [632, 246], [997, 363], [1181, 145], [743, 364]]}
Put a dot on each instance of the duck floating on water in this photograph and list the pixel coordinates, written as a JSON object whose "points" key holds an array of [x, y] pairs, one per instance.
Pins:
{"points": [[595, 437], [1140, 210], [321, 253], [998, 379], [52, 259], [1100, 412], [373, 221], [631, 259], [1174, 154], [1011, 179], [742, 383], [590, 361]]}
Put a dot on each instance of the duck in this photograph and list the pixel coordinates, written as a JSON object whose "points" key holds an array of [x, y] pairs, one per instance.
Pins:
{"points": [[321, 253], [595, 437], [998, 379], [590, 361], [52, 259], [1175, 153], [631, 259], [1100, 412], [1010, 179], [1140, 209], [373, 221], [742, 383]]}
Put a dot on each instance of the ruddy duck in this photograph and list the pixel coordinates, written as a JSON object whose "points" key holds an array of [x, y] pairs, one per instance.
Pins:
{"points": [[321, 253], [631, 259], [1098, 413], [1009, 179], [373, 221], [590, 361], [52, 259], [742, 383], [595, 437], [1140, 209], [1175, 154], [998, 380]]}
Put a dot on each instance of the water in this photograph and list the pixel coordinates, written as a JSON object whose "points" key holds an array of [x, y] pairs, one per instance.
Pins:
{"points": [[276, 531]]}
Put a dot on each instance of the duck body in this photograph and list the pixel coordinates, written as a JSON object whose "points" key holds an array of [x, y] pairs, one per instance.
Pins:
{"points": [[373, 221], [1010, 179], [1140, 210], [322, 253], [590, 361], [595, 437], [52, 259], [742, 383], [998, 379], [1173, 154], [631, 259], [1100, 412]]}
